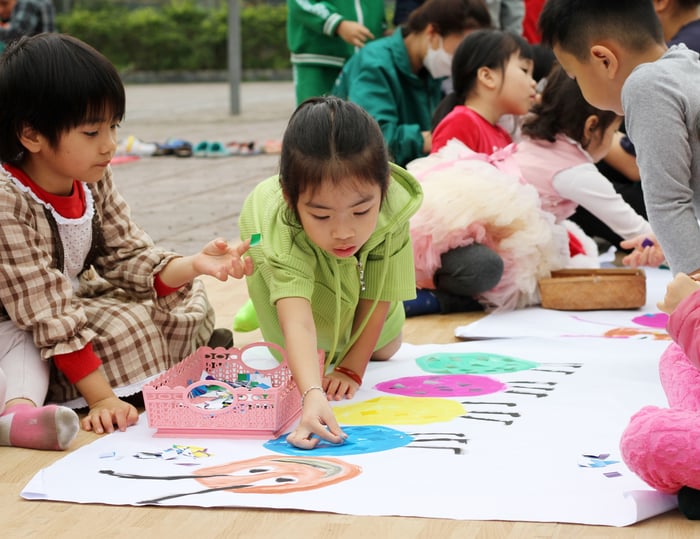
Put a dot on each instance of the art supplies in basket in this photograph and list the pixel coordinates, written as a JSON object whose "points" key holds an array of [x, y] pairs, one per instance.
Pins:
{"points": [[594, 289], [218, 392]]}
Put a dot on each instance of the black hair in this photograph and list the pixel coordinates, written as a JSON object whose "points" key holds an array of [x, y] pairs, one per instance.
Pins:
{"points": [[563, 110], [330, 139], [449, 16], [52, 83], [574, 25], [687, 4], [482, 48]]}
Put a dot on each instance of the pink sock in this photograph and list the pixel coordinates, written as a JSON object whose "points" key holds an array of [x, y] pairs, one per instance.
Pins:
{"points": [[45, 427]]}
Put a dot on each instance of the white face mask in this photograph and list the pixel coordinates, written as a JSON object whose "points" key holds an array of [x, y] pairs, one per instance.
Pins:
{"points": [[438, 62]]}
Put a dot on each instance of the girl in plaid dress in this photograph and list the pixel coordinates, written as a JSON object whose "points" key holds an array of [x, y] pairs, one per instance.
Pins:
{"points": [[90, 308]]}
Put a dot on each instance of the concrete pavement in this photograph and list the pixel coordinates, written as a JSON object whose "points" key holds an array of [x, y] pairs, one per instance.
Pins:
{"points": [[185, 202]]}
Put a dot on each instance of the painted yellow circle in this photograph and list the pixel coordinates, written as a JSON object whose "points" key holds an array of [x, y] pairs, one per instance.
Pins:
{"points": [[398, 411]]}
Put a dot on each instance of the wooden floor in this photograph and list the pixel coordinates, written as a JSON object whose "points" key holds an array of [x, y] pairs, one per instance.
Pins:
{"points": [[21, 518]]}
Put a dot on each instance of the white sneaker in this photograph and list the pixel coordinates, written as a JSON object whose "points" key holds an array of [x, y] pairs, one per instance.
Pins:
{"points": [[133, 146]]}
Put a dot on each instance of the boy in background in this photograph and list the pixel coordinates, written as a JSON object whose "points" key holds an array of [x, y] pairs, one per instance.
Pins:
{"points": [[617, 53]]}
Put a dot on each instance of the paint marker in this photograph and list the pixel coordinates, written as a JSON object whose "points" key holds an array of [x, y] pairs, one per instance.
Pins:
{"points": [[647, 243], [255, 239]]}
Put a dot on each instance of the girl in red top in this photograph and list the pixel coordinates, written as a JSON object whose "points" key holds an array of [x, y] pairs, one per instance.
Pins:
{"points": [[492, 77]]}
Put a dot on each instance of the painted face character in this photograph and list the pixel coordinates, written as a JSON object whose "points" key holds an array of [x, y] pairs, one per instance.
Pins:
{"points": [[260, 475], [276, 475]]}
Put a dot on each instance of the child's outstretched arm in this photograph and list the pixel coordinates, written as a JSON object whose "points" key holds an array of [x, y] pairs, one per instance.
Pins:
{"points": [[106, 409], [218, 258], [317, 418], [646, 251], [343, 382]]}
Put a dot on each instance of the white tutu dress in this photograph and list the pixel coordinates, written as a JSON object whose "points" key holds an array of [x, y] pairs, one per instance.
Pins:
{"points": [[471, 197]]}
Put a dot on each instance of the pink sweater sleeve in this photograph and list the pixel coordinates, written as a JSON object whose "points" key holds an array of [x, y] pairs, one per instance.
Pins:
{"points": [[684, 327]]}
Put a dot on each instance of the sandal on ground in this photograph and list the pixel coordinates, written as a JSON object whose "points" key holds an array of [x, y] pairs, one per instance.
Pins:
{"points": [[201, 149], [272, 147], [133, 146], [217, 149], [177, 147], [244, 148]]}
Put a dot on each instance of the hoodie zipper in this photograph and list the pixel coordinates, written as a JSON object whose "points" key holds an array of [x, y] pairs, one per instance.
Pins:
{"points": [[361, 273]]}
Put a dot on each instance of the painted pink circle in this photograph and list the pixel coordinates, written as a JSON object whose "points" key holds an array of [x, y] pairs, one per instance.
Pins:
{"points": [[655, 320], [445, 385]]}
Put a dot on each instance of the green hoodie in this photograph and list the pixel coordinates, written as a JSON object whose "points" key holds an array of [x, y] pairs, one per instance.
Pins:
{"points": [[288, 264], [379, 78]]}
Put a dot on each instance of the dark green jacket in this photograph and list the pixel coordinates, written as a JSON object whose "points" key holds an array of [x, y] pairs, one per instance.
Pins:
{"points": [[311, 27], [379, 79]]}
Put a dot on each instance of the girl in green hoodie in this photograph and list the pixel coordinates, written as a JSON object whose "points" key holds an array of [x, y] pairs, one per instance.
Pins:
{"points": [[335, 261]]}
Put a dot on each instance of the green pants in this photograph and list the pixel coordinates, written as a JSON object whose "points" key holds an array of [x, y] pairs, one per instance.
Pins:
{"points": [[313, 80]]}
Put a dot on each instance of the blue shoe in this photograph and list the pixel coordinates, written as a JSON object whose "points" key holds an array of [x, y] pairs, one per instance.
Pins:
{"points": [[426, 302], [177, 147]]}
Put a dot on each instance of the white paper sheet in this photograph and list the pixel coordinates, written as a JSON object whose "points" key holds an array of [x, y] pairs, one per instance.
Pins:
{"points": [[536, 448], [645, 323]]}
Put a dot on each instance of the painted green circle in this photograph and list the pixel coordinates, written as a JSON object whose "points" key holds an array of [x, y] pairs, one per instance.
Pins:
{"points": [[472, 363]]}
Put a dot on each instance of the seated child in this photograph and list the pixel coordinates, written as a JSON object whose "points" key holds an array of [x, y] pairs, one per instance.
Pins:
{"points": [[617, 53], [562, 140], [492, 78], [335, 260], [90, 308], [661, 444], [470, 200]]}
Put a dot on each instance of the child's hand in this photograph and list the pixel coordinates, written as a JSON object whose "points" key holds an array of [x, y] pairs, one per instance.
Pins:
{"points": [[106, 413], [221, 260], [338, 386], [354, 33], [647, 252], [316, 418], [677, 290]]}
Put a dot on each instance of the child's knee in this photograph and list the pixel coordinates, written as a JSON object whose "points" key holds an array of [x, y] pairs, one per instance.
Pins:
{"points": [[388, 350], [662, 447]]}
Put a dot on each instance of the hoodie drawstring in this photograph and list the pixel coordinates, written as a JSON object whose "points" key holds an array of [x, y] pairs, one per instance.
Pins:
{"points": [[360, 329]]}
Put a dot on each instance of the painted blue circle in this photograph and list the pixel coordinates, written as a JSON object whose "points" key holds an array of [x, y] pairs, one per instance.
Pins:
{"points": [[361, 439]]}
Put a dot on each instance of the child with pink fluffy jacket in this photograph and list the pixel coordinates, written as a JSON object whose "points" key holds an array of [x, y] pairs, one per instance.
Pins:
{"points": [[662, 445]]}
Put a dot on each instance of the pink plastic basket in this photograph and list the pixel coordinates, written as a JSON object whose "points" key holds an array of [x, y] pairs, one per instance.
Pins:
{"points": [[174, 410]]}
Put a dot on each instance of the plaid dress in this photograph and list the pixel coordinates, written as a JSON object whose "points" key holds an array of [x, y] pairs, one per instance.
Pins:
{"points": [[136, 334]]}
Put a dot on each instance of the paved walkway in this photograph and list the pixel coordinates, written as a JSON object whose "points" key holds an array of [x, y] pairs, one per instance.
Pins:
{"points": [[185, 202]]}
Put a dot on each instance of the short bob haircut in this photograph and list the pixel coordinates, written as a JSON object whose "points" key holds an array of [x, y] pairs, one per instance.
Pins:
{"points": [[574, 25], [53, 83], [563, 110], [330, 139]]}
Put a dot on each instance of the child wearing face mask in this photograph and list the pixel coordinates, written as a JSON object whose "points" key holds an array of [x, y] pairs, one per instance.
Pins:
{"points": [[398, 79], [491, 77]]}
